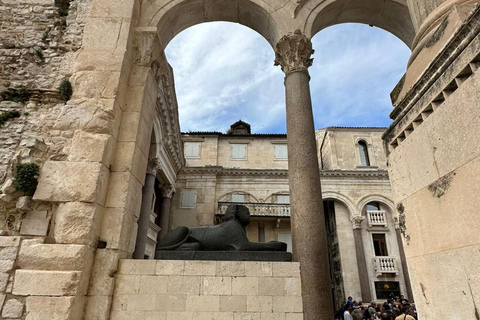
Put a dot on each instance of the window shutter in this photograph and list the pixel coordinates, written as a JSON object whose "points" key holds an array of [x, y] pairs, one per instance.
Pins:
{"points": [[281, 151], [188, 198], [239, 151], [192, 149]]}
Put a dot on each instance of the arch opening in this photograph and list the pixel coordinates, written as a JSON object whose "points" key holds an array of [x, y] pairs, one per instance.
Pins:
{"points": [[172, 19], [391, 15], [353, 74]]}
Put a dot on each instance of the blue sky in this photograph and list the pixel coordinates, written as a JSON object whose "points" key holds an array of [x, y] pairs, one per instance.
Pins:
{"points": [[224, 72]]}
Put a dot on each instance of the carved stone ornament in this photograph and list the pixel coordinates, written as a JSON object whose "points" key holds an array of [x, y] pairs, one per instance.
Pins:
{"points": [[155, 165], [293, 52], [357, 222], [167, 192], [396, 222], [145, 40]]}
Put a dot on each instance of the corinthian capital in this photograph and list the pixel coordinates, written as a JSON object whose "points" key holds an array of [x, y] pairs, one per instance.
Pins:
{"points": [[293, 52], [168, 191], [357, 222]]}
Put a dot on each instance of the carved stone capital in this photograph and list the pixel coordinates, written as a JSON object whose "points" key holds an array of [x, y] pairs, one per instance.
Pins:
{"points": [[145, 39], [154, 166], [357, 222], [168, 192], [293, 52]]}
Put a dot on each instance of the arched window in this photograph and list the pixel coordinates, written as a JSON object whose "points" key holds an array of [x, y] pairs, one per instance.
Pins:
{"points": [[364, 159]]}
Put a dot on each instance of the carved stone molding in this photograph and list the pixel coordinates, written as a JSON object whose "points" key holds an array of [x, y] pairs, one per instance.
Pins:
{"points": [[293, 52], [357, 222], [145, 38]]}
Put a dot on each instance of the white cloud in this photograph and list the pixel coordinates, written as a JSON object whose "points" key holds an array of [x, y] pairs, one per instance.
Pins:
{"points": [[224, 72]]}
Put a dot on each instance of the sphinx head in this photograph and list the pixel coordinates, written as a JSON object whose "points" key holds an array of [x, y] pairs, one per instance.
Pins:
{"points": [[238, 212]]}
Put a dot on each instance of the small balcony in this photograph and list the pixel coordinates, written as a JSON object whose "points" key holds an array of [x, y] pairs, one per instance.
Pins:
{"points": [[273, 210], [377, 219], [385, 265]]}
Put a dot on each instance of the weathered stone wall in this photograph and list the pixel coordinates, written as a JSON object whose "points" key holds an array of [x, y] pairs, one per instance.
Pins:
{"points": [[39, 42], [434, 165], [38, 45], [195, 290]]}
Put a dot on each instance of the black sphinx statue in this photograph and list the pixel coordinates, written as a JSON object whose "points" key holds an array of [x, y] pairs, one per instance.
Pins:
{"points": [[226, 241]]}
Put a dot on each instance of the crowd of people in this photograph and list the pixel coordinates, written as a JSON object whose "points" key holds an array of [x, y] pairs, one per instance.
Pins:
{"points": [[393, 309]]}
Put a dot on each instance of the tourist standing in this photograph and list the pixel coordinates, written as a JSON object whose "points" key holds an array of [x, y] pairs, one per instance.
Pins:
{"points": [[347, 315]]}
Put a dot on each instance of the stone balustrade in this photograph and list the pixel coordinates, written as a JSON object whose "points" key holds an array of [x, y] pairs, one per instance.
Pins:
{"points": [[385, 265], [259, 209], [376, 218]]}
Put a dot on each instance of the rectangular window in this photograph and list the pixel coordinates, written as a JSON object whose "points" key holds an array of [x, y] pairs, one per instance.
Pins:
{"points": [[189, 198], [380, 245], [384, 289], [239, 151], [238, 197], [283, 198], [192, 149], [281, 152]]}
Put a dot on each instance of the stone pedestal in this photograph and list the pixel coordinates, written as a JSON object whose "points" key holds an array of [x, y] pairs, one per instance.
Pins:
{"points": [[181, 290]]}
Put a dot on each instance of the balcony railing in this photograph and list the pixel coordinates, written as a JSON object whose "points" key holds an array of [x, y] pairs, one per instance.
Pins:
{"points": [[259, 209], [385, 265], [377, 219]]}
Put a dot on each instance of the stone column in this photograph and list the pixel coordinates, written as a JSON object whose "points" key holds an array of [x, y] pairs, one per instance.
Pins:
{"points": [[165, 211], [403, 260], [143, 222], [361, 261], [307, 218]]}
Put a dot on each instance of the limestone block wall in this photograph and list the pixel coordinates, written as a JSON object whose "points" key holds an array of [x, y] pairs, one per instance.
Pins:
{"points": [[434, 170], [38, 281], [213, 290]]}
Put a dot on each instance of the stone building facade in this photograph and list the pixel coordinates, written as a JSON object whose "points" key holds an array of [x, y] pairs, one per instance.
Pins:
{"points": [[61, 247], [366, 252]]}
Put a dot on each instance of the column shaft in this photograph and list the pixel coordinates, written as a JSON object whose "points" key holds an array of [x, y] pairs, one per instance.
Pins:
{"points": [[143, 222], [362, 266], [307, 217], [164, 218], [403, 259]]}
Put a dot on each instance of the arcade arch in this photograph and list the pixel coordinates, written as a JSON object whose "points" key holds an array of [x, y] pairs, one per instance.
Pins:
{"points": [[391, 15], [159, 23]]}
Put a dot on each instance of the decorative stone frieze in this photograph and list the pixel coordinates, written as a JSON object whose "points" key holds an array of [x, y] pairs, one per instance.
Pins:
{"points": [[292, 52]]}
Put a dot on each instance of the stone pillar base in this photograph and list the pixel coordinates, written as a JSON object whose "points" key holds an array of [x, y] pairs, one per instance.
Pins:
{"points": [[167, 289]]}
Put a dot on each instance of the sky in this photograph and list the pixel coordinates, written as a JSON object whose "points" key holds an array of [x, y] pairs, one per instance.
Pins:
{"points": [[224, 72]]}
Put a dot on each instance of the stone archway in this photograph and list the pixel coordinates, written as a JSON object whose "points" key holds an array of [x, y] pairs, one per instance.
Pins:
{"points": [[392, 16], [116, 80], [173, 17]]}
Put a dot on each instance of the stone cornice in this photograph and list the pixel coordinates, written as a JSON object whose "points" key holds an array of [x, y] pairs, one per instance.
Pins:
{"points": [[461, 39], [221, 171], [167, 110]]}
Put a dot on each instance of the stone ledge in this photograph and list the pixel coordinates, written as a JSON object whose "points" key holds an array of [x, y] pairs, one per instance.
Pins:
{"points": [[224, 255]]}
